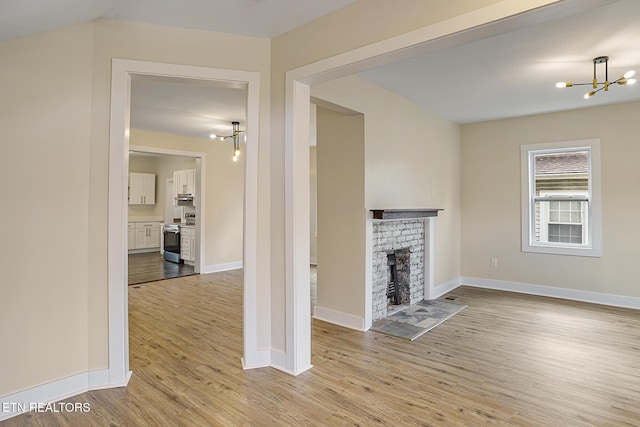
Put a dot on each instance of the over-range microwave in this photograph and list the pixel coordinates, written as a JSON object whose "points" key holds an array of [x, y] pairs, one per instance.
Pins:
{"points": [[184, 199]]}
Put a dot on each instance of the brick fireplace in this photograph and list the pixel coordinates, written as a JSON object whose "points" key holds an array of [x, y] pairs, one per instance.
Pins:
{"points": [[401, 236]]}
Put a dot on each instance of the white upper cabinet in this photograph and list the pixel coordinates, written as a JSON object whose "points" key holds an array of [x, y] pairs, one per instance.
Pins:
{"points": [[142, 188], [184, 182]]}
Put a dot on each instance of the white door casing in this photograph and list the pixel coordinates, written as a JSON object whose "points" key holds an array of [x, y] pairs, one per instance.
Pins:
{"points": [[122, 73]]}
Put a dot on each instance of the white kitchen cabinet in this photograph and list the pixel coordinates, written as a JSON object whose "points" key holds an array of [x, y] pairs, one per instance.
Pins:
{"points": [[184, 182], [187, 181], [193, 244], [131, 235], [147, 235], [188, 243], [142, 188]]}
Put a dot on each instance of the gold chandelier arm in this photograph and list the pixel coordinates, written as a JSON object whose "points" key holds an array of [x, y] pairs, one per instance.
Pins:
{"points": [[625, 79]]}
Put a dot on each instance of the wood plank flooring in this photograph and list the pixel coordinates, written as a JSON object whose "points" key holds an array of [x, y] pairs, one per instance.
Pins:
{"points": [[151, 266], [507, 359]]}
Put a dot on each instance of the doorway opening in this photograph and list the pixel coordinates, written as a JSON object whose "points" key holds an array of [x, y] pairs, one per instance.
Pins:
{"points": [[163, 237], [123, 72]]}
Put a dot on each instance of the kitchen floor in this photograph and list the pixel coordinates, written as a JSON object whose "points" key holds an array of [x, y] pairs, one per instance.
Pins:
{"points": [[151, 266]]}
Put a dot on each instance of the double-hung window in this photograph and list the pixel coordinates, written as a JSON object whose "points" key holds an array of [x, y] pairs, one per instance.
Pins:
{"points": [[561, 198]]}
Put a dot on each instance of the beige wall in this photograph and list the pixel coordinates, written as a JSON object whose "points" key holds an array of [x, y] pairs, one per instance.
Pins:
{"points": [[491, 200], [341, 212], [224, 192], [412, 160], [45, 130], [55, 116]]}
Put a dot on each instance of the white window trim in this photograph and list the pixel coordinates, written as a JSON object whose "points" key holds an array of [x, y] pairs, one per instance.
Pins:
{"points": [[595, 214]]}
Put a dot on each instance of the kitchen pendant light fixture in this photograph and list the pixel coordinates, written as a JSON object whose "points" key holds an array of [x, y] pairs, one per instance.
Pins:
{"points": [[625, 79], [235, 135]]}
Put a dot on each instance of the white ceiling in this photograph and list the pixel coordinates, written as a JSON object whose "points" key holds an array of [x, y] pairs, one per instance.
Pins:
{"points": [[514, 74], [507, 75], [186, 107], [262, 18]]}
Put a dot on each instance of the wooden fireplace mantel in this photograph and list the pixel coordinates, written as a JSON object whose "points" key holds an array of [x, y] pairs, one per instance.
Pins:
{"points": [[404, 213]]}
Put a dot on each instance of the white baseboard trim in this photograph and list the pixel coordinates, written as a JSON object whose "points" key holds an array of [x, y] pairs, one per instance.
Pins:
{"points": [[313, 261], [259, 359], [290, 372], [222, 267], [100, 379], [339, 318], [279, 361], [549, 291], [20, 402], [144, 250], [444, 288]]}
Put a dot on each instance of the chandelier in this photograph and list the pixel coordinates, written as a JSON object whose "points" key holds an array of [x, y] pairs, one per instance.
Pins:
{"points": [[625, 79], [234, 136]]}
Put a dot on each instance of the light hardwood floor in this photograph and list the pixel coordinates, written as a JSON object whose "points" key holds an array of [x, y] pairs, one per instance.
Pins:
{"points": [[507, 359]]}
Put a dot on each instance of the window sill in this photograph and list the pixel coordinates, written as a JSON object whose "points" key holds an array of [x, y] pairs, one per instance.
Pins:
{"points": [[562, 250]]}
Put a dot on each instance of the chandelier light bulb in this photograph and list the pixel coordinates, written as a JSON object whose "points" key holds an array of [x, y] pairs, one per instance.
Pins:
{"points": [[629, 74], [235, 158], [589, 95], [236, 153], [562, 85], [213, 136], [632, 81]]}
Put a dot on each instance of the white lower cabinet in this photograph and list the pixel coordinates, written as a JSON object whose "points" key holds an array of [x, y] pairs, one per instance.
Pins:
{"points": [[144, 235], [188, 243]]}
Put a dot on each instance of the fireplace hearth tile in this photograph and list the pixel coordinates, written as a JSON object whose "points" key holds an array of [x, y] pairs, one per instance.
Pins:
{"points": [[417, 319], [398, 329]]}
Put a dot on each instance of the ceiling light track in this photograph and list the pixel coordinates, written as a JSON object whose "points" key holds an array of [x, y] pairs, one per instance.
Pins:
{"points": [[624, 80]]}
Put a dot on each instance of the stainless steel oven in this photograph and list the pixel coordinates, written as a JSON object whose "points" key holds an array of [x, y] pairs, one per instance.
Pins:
{"points": [[171, 234]]}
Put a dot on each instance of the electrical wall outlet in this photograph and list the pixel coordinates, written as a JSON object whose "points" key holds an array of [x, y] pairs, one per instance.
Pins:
{"points": [[494, 262]]}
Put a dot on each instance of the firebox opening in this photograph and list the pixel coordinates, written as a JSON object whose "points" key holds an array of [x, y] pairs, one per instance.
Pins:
{"points": [[399, 280]]}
